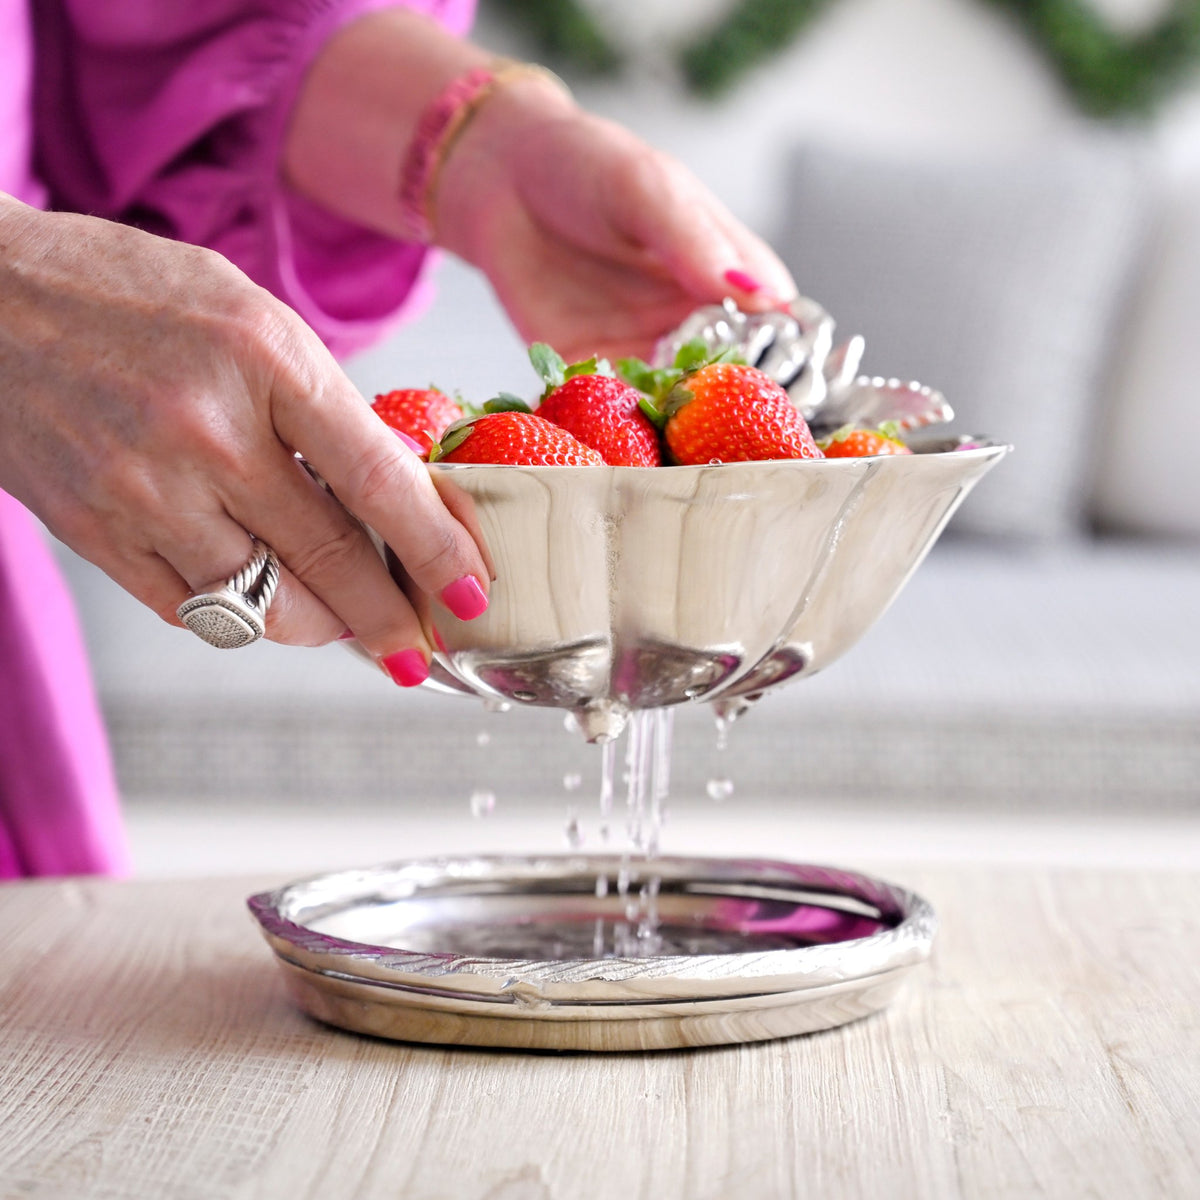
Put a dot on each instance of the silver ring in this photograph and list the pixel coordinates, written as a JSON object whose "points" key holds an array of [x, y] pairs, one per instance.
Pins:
{"points": [[234, 613]]}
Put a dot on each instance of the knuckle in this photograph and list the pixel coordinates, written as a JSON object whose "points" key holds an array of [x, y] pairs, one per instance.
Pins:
{"points": [[330, 558], [75, 525], [439, 555], [252, 328], [134, 487], [254, 324], [645, 173], [383, 477]]}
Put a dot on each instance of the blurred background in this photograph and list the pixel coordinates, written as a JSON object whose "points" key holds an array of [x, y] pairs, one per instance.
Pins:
{"points": [[1003, 196]]}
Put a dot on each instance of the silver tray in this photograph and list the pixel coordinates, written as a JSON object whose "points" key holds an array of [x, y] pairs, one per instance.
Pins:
{"points": [[500, 951]]}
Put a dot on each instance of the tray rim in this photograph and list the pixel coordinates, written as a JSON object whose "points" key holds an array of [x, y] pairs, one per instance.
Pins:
{"points": [[664, 978]]}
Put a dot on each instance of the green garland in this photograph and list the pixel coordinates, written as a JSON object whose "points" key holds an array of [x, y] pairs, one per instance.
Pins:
{"points": [[1108, 73], [753, 31], [566, 33]]}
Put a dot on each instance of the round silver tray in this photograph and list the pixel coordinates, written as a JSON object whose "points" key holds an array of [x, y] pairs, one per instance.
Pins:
{"points": [[499, 951]]}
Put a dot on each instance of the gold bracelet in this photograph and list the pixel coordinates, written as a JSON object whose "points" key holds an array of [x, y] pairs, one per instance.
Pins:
{"points": [[440, 125]]}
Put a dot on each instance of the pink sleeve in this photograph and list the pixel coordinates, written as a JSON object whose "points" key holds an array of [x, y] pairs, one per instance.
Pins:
{"points": [[170, 114]]}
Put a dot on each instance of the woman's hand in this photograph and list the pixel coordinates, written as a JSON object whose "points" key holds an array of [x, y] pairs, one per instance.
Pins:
{"points": [[593, 241], [152, 401]]}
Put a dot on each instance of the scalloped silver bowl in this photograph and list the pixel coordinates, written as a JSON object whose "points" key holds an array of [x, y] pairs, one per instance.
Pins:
{"points": [[624, 588]]}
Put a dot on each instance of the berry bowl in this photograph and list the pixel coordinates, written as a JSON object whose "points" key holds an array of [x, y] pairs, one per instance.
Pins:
{"points": [[625, 588], [629, 588]]}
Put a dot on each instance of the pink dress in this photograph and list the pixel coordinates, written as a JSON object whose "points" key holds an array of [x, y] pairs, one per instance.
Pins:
{"points": [[168, 114]]}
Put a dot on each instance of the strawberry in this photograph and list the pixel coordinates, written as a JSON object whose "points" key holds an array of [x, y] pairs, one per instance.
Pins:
{"points": [[730, 412], [424, 414], [519, 439], [601, 411], [849, 442]]}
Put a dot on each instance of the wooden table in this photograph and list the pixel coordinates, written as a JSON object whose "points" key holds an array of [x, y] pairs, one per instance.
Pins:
{"points": [[1052, 1048]]}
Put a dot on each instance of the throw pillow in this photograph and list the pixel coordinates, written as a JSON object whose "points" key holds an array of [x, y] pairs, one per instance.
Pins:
{"points": [[1000, 283]]}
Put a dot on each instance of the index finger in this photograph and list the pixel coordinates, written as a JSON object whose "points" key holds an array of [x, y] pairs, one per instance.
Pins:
{"points": [[387, 486]]}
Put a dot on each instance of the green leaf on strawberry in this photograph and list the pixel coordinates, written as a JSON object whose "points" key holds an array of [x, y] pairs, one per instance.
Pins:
{"points": [[637, 374], [589, 366], [548, 363], [506, 402], [554, 371], [695, 354], [454, 437], [657, 383]]}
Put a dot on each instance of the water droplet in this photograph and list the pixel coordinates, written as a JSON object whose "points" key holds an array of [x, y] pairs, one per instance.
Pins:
{"points": [[570, 723], [524, 694], [496, 706], [719, 789], [482, 802], [572, 781], [482, 738], [722, 724], [574, 832]]}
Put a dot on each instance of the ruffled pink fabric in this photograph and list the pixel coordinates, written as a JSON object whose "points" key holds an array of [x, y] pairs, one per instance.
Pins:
{"points": [[168, 114], [57, 795], [171, 114]]}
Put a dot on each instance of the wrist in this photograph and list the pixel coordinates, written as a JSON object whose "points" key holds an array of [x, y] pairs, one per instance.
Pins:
{"points": [[358, 108], [479, 175]]}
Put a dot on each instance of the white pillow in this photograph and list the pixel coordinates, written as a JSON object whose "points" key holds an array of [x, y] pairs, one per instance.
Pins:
{"points": [[1145, 476], [998, 282]]}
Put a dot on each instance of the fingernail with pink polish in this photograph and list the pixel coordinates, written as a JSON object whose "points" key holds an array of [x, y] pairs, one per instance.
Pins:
{"points": [[744, 282], [410, 442], [406, 667], [437, 641], [465, 598], [346, 636]]}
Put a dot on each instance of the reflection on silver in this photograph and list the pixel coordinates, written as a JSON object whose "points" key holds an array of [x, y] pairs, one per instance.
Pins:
{"points": [[794, 345], [621, 588], [503, 951]]}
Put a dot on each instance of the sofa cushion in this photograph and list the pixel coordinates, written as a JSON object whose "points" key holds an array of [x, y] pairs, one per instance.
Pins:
{"points": [[1145, 478], [1001, 283]]}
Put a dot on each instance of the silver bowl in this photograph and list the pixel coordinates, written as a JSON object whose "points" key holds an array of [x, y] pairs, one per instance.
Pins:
{"points": [[625, 588]]}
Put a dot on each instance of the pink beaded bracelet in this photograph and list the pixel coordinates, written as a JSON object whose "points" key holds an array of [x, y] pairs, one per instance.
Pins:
{"points": [[439, 126]]}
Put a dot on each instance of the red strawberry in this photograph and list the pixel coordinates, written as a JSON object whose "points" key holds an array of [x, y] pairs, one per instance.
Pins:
{"points": [[515, 439], [729, 412], [422, 413], [604, 413], [849, 442]]}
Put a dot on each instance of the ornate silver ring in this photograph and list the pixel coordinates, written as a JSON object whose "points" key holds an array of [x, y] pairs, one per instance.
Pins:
{"points": [[234, 613]]}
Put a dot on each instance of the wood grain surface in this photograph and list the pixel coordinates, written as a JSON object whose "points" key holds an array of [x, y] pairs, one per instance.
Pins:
{"points": [[1052, 1048]]}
